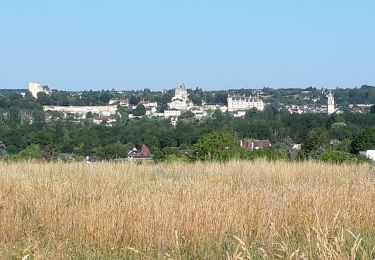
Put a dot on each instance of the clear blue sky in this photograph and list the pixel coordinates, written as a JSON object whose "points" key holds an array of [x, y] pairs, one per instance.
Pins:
{"points": [[92, 44]]}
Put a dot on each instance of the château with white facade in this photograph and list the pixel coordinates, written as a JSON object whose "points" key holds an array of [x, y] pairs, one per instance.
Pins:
{"points": [[241, 102], [330, 103]]}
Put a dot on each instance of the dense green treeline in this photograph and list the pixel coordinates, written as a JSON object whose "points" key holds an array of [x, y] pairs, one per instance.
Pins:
{"points": [[314, 132], [24, 130]]}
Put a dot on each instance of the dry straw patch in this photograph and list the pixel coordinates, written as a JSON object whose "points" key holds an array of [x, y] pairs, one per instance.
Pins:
{"points": [[238, 210]]}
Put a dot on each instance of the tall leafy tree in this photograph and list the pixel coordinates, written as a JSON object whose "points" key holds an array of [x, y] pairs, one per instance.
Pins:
{"points": [[140, 110], [365, 141], [4, 101], [316, 139], [44, 99], [216, 146]]}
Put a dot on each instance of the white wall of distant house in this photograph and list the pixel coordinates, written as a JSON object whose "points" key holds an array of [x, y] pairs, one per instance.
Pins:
{"points": [[107, 110], [369, 154]]}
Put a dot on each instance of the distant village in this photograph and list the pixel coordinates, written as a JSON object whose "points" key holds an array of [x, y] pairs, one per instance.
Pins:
{"points": [[237, 105], [181, 104]]}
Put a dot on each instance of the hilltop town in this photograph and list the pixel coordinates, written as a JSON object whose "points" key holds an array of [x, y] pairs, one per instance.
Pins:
{"points": [[180, 102], [175, 124]]}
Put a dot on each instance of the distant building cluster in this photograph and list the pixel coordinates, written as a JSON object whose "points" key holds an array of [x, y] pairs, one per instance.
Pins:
{"points": [[360, 108], [78, 114], [254, 144], [180, 104], [142, 154], [180, 101], [237, 105], [104, 110], [136, 155], [329, 109]]}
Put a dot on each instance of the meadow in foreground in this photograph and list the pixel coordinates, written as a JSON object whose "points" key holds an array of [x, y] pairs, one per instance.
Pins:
{"points": [[237, 210]]}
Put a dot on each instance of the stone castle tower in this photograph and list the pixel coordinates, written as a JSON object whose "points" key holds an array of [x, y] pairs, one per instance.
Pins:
{"points": [[35, 87]]}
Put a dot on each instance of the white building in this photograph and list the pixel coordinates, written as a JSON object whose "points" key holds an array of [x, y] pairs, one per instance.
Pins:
{"points": [[174, 121], [180, 101], [199, 113], [101, 110], [331, 104], [370, 154], [151, 111], [148, 104], [241, 102], [121, 102], [35, 88], [215, 107], [172, 113]]}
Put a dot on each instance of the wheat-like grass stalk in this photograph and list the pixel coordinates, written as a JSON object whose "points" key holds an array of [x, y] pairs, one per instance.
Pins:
{"points": [[237, 210]]}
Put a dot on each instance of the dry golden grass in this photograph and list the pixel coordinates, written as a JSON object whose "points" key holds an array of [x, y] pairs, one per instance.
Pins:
{"points": [[238, 210]]}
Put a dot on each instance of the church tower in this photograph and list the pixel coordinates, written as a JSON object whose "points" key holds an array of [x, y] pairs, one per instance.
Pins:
{"points": [[331, 104], [180, 92]]}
